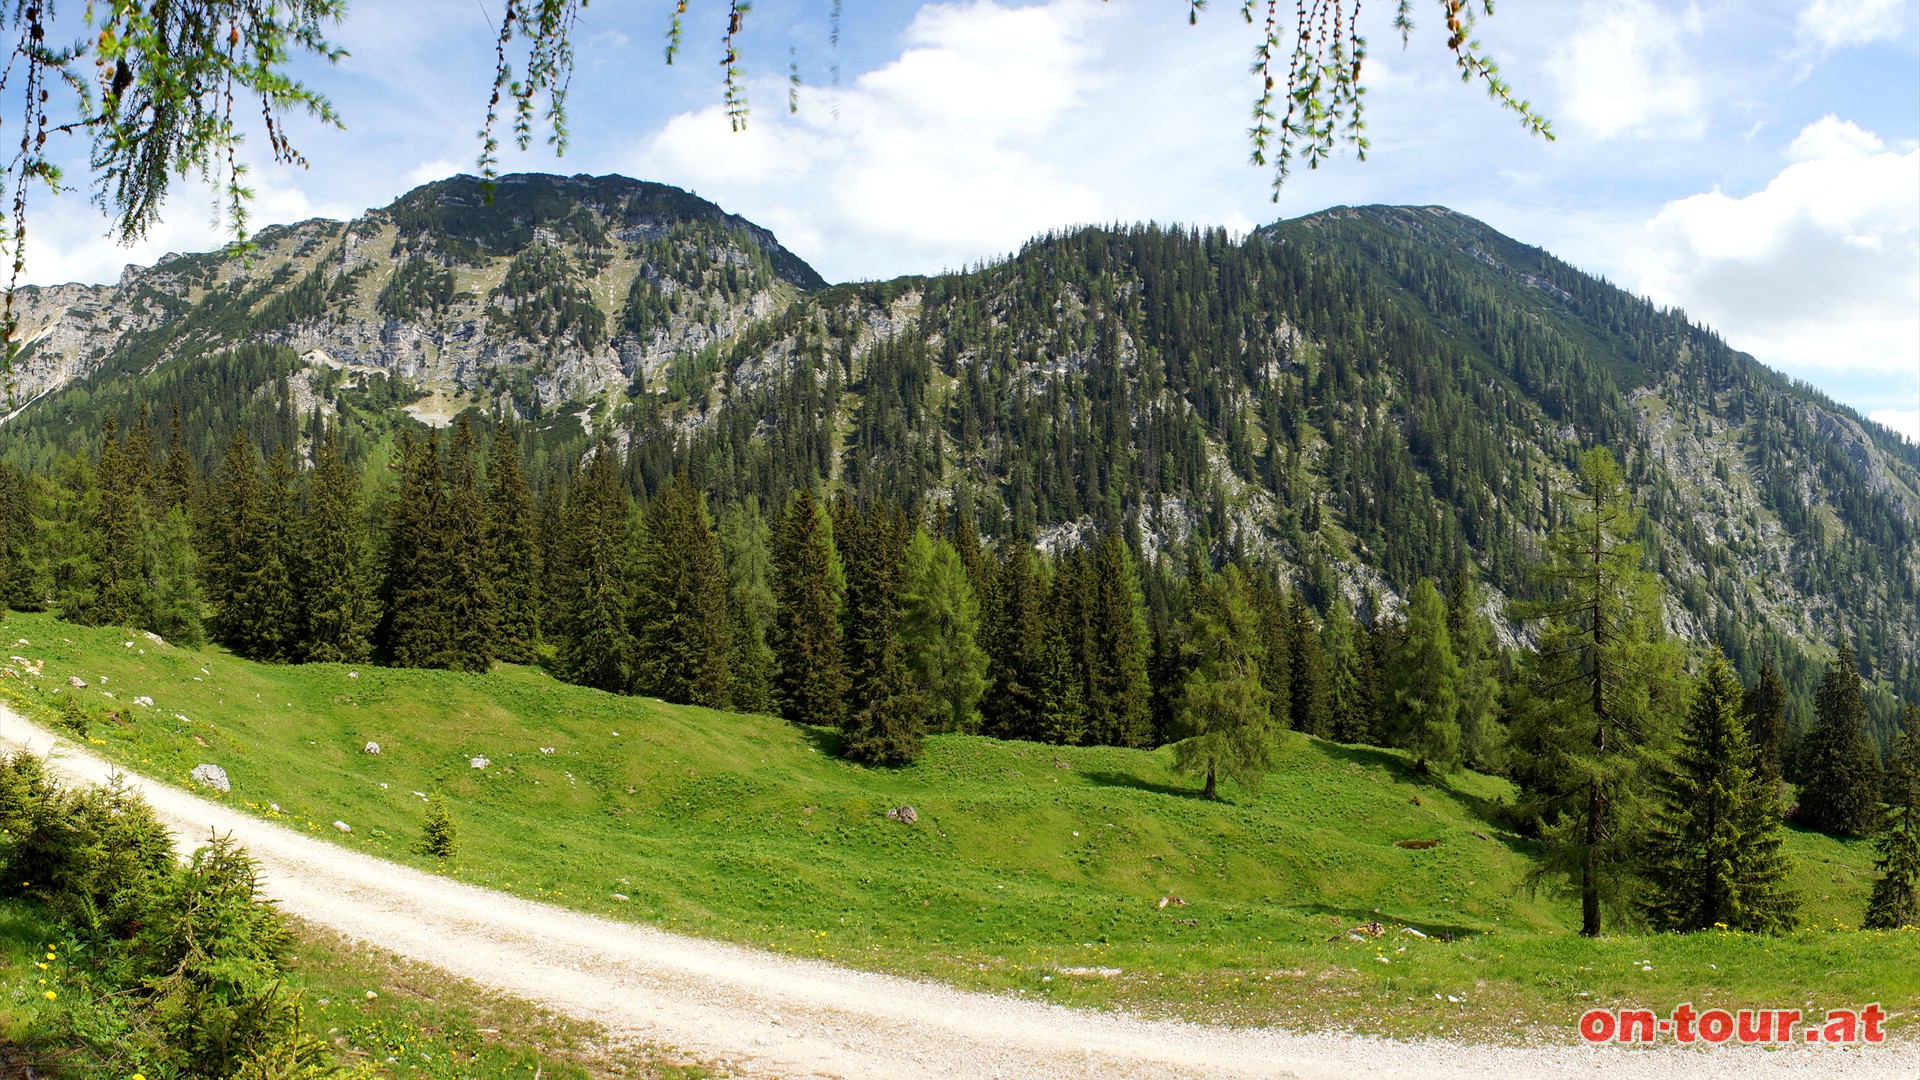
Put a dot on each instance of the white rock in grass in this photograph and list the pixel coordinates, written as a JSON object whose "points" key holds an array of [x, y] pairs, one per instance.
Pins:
{"points": [[213, 776], [143, 700], [343, 826], [373, 748], [479, 762], [76, 682]]}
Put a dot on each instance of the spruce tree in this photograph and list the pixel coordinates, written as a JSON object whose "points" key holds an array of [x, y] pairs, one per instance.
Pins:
{"points": [[19, 540], [939, 629], [1714, 854], [513, 541], [467, 598], [1016, 635], [1425, 679], [1482, 738], [1119, 698], [336, 568], [249, 540], [1840, 771], [173, 603], [179, 480], [1895, 902], [679, 623], [1270, 607], [274, 604], [811, 684], [1347, 708], [1765, 706], [1062, 718], [232, 512], [119, 522], [886, 723], [1224, 721], [1595, 708], [746, 549], [418, 629], [595, 647], [1306, 670]]}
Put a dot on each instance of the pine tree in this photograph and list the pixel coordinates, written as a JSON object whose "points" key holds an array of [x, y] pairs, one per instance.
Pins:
{"points": [[1895, 902], [1119, 698], [595, 647], [1224, 721], [336, 568], [681, 637], [1426, 685], [1840, 781], [886, 724], [1016, 635], [467, 598], [1593, 713], [1714, 855], [812, 676], [939, 629], [513, 540], [1765, 706]]}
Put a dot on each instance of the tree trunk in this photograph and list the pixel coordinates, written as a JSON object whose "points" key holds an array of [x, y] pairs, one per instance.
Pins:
{"points": [[1208, 792], [1590, 869]]}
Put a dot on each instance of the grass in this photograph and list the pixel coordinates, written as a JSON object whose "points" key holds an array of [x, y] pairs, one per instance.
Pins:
{"points": [[1034, 871], [384, 1015]]}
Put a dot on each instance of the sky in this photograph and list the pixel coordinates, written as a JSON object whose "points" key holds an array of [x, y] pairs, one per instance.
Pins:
{"points": [[1753, 162]]}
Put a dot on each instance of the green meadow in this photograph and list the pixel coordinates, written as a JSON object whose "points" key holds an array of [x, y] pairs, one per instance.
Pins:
{"points": [[1083, 876]]}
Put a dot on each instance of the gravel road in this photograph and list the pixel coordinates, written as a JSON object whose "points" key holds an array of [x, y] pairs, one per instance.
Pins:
{"points": [[774, 1016]]}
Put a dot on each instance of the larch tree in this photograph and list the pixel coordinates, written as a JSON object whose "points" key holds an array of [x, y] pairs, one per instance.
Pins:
{"points": [[1482, 737], [1348, 711], [1595, 708], [746, 543], [1714, 855], [1895, 901], [1225, 725], [1839, 767], [1426, 685], [940, 628]]}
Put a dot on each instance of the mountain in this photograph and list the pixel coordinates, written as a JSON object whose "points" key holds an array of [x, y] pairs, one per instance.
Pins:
{"points": [[1366, 395]]}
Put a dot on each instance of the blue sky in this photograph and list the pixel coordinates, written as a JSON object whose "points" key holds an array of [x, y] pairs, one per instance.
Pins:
{"points": [[1754, 163]]}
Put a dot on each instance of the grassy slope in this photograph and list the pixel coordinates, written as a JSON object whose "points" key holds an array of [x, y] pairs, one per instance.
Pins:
{"points": [[1027, 861]]}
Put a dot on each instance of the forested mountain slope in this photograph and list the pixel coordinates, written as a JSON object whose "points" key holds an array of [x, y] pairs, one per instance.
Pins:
{"points": [[1365, 396]]}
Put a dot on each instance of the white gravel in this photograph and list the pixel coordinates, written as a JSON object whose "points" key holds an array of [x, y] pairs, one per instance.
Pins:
{"points": [[767, 1015]]}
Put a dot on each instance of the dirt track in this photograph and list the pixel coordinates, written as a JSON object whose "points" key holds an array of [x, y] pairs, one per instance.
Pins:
{"points": [[775, 1016]]}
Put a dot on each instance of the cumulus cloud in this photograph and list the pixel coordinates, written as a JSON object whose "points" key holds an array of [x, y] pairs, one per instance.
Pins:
{"points": [[1836, 24], [1819, 272], [1626, 70]]}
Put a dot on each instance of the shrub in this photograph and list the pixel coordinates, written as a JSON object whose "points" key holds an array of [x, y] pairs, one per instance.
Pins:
{"points": [[440, 835]]}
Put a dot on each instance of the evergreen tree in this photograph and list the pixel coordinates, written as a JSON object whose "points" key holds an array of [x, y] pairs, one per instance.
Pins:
{"points": [[418, 625], [1482, 738], [1593, 713], [336, 570], [1348, 711], [253, 609], [513, 540], [1016, 635], [1426, 685], [812, 676], [1765, 706], [179, 479], [173, 603], [681, 637], [745, 545], [595, 648], [1714, 856], [1270, 607], [1119, 698], [1895, 902], [1840, 781], [467, 596], [939, 629], [1306, 670], [274, 608], [119, 524], [1062, 718], [1225, 722], [886, 724], [19, 541]]}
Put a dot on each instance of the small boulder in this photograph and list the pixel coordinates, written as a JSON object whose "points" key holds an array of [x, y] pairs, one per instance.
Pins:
{"points": [[343, 826], [906, 815], [155, 638], [478, 763], [353, 674], [76, 682], [212, 776], [143, 701], [622, 897], [373, 748]]}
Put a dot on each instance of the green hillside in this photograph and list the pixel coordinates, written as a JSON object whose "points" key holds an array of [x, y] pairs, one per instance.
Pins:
{"points": [[1034, 870]]}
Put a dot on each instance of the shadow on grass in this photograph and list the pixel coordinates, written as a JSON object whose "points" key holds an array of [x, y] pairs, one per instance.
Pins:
{"points": [[1127, 780], [1487, 811], [1339, 921], [828, 741]]}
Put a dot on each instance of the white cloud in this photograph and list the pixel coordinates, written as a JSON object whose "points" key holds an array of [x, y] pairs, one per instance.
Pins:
{"points": [[1904, 421], [1819, 272], [1837, 24], [1627, 70]]}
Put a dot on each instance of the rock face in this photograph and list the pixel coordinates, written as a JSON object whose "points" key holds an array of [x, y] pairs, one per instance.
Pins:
{"points": [[212, 776]]}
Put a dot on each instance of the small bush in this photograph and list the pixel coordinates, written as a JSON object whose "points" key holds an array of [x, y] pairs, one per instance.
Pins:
{"points": [[440, 836]]}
